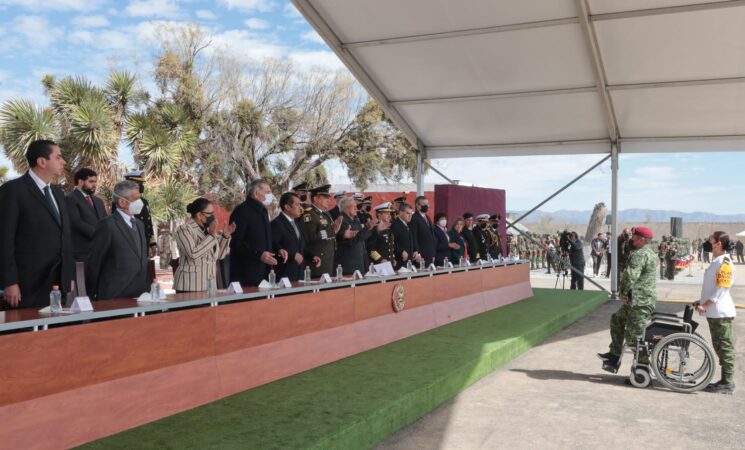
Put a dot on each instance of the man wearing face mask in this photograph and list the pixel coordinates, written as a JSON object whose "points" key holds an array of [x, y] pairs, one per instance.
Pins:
{"points": [[86, 210], [251, 249], [117, 265], [138, 176], [471, 246], [423, 230]]}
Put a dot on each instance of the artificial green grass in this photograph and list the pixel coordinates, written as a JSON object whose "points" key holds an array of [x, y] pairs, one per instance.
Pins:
{"points": [[360, 400]]}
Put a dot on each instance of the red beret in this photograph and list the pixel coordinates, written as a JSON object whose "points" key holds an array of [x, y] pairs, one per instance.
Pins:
{"points": [[643, 232]]}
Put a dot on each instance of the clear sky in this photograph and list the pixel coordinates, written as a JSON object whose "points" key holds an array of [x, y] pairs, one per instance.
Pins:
{"points": [[89, 37]]}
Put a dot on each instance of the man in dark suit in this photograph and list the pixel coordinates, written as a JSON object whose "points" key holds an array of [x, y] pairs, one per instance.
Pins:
{"points": [[422, 230], [85, 211], [403, 239], [35, 243], [117, 265], [350, 239], [472, 245], [251, 253], [288, 237]]}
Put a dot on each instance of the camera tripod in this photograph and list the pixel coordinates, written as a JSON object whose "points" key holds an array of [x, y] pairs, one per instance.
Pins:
{"points": [[561, 265]]}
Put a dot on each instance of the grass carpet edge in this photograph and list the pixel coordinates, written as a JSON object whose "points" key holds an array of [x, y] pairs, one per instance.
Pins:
{"points": [[409, 408]]}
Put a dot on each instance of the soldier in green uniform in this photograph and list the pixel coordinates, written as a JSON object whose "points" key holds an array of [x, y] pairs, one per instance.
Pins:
{"points": [[661, 252], [670, 256], [495, 240], [638, 292], [301, 190], [319, 231], [382, 244]]}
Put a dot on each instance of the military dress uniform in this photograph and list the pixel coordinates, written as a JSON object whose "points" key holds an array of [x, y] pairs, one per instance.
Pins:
{"points": [[320, 239], [638, 284], [382, 243], [670, 257]]}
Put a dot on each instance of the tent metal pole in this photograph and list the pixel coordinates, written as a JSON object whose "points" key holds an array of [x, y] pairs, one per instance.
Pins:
{"points": [[579, 177], [614, 221], [420, 170]]}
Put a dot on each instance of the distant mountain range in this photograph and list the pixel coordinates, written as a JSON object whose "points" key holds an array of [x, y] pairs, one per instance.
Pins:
{"points": [[632, 216]]}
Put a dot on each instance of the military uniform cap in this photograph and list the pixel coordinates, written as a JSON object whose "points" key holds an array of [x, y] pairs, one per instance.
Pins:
{"points": [[383, 208], [358, 196], [301, 187], [643, 232], [367, 200], [483, 217], [135, 175], [321, 190], [339, 194], [494, 217], [401, 199]]}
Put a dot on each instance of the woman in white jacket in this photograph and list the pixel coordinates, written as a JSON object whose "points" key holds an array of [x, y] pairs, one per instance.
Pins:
{"points": [[716, 303], [200, 246]]}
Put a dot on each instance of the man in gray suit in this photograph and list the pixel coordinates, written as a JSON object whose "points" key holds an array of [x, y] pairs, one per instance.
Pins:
{"points": [[117, 266]]}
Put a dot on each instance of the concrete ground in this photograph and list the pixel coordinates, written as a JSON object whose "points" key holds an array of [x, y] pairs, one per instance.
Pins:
{"points": [[557, 396]]}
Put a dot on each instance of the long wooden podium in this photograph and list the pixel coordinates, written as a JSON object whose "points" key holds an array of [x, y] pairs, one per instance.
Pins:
{"points": [[64, 382]]}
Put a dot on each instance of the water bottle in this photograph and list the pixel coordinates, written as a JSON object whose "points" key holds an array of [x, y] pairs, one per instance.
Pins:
{"points": [[461, 262], [272, 278], [155, 291], [211, 286], [306, 274], [339, 273], [55, 299], [409, 266], [371, 269], [489, 259], [445, 262], [421, 265]]}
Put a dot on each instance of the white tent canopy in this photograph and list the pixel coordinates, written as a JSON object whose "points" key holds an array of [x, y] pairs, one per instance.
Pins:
{"points": [[467, 78]]}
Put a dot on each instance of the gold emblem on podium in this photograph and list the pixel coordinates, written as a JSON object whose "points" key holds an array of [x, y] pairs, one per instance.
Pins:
{"points": [[397, 299]]}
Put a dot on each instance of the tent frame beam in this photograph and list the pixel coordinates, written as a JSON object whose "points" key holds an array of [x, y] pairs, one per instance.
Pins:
{"points": [[324, 30], [573, 90], [562, 189], [601, 81], [542, 23]]}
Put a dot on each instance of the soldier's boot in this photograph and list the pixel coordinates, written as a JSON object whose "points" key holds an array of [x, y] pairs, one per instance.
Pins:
{"points": [[724, 386], [611, 363]]}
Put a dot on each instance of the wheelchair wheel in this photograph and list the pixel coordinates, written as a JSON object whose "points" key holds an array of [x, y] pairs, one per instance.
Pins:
{"points": [[640, 377], [683, 362]]}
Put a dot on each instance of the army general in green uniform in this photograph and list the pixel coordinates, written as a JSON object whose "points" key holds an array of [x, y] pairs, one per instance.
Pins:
{"points": [[638, 292], [319, 231]]}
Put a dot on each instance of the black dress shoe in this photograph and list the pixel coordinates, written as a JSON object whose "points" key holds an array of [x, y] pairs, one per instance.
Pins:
{"points": [[606, 356]]}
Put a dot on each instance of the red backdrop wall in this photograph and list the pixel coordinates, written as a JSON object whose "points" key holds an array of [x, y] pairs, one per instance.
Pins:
{"points": [[456, 200]]}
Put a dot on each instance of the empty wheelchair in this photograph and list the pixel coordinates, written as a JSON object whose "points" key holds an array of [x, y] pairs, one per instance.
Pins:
{"points": [[678, 357]]}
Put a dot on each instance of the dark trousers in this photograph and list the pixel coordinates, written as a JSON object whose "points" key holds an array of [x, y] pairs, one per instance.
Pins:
{"points": [[596, 260], [739, 257], [578, 281], [609, 262]]}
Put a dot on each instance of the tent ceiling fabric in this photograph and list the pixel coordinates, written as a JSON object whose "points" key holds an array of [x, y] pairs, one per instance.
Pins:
{"points": [[536, 77]]}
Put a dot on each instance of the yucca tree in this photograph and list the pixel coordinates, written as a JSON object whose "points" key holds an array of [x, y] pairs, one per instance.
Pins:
{"points": [[123, 95], [22, 122], [168, 200], [87, 122]]}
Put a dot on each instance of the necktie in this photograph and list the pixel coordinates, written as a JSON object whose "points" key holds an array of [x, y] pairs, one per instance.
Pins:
{"points": [[48, 196], [89, 200], [294, 227]]}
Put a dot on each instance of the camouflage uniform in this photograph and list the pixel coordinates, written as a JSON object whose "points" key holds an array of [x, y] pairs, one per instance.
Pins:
{"points": [[670, 257], [638, 284], [661, 252]]}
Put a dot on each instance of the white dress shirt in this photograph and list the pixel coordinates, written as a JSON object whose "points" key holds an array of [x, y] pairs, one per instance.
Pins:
{"points": [[127, 218], [42, 185]]}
